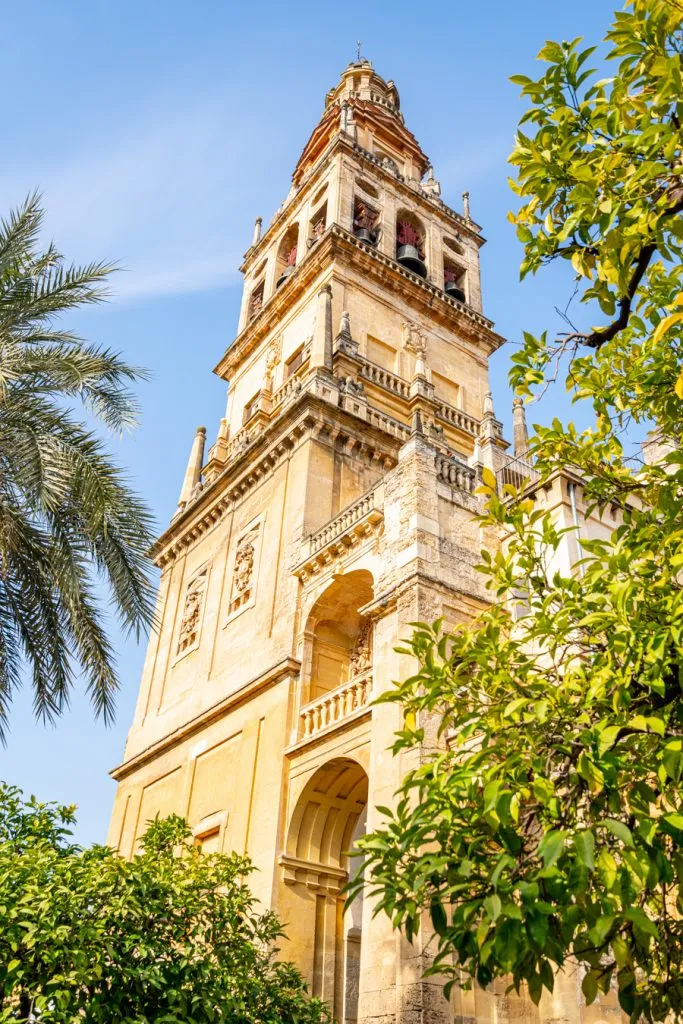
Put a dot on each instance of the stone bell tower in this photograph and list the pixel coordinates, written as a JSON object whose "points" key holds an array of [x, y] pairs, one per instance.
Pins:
{"points": [[335, 507]]}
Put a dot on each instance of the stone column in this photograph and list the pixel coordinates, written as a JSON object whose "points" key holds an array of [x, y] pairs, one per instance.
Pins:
{"points": [[321, 345]]}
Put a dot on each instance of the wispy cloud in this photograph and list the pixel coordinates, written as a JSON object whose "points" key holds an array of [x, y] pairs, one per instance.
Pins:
{"points": [[164, 196]]}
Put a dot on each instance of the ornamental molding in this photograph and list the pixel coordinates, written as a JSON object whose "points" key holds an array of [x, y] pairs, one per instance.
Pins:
{"points": [[319, 878], [288, 668], [307, 416]]}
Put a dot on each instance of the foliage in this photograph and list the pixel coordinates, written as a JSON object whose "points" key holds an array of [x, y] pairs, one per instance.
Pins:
{"points": [[548, 829], [172, 935], [68, 520]]}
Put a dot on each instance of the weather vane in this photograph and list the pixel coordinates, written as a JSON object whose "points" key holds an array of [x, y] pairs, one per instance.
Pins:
{"points": [[358, 46]]}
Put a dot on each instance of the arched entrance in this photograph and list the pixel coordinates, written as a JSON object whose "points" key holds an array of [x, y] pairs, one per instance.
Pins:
{"points": [[326, 819], [337, 638]]}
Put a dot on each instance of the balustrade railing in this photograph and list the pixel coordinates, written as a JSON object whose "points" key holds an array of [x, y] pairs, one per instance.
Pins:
{"points": [[287, 391], [335, 706], [388, 424], [456, 473], [457, 418], [345, 520], [384, 378], [237, 441], [516, 473]]}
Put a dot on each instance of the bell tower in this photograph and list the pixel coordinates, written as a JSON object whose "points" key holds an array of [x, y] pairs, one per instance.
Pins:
{"points": [[334, 507]]}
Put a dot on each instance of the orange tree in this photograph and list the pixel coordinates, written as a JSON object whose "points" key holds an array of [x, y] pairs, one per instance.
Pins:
{"points": [[172, 934], [551, 827]]}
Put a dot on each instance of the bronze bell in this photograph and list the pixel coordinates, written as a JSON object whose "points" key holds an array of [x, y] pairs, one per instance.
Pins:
{"points": [[455, 291], [365, 235], [287, 272], [409, 257]]}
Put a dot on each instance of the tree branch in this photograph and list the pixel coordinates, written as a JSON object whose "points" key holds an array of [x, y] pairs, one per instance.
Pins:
{"points": [[598, 338]]}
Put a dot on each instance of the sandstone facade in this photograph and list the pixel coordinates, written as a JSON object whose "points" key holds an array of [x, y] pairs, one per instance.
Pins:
{"points": [[335, 507]]}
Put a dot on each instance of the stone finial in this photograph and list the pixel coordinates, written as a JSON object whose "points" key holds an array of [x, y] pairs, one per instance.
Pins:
{"points": [[466, 205], [416, 427], [488, 409], [193, 473], [520, 434], [222, 430], [257, 230]]}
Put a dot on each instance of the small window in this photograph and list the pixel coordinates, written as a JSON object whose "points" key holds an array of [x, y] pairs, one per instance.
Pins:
{"points": [[294, 362], [250, 408], [209, 841]]}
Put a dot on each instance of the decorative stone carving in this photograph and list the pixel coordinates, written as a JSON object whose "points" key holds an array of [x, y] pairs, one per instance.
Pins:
{"points": [[273, 356], [415, 341], [361, 655], [344, 326], [188, 636], [243, 571]]}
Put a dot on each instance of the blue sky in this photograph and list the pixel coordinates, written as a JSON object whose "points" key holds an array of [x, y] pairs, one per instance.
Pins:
{"points": [[157, 132]]}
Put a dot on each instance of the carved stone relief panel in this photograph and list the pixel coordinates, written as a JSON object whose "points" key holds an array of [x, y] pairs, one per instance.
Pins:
{"points": [[244, 570], [188, 636]]}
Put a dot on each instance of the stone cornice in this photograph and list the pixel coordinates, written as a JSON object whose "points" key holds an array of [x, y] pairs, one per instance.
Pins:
{"points": [[305, 414], [286, 667], [336, 241]]}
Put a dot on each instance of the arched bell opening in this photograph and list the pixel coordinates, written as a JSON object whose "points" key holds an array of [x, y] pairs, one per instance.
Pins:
{"points": [[365, 222], [325, 940], [410, 243], [337, 637], [454, 280], [287, 255]]}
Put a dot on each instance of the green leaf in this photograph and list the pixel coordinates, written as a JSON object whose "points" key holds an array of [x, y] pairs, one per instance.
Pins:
{"points": [[493, 907], [619, 830], [584, 844], [550, 847]]}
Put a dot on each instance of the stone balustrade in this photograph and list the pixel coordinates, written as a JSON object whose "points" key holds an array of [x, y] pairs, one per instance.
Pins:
{"points": [[347, 518], [455, 473], [384, 378], [289, 390], [457, 418], [388, 424], [335, 706], [239, 440]]}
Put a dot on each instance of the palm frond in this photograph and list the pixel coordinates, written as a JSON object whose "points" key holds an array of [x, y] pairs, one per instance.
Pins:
{"points": [[69, 521]]}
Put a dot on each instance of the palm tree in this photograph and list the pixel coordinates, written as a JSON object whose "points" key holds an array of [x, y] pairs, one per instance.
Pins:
{"points": [[72, 533]]}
